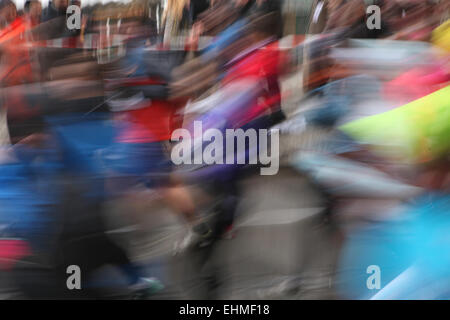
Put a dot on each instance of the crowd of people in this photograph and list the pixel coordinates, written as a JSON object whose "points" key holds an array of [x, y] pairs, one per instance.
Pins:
{"points": [[89, 115]]}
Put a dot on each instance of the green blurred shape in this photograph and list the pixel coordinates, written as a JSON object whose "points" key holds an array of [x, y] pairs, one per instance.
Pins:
{"points": [[416, 132]]}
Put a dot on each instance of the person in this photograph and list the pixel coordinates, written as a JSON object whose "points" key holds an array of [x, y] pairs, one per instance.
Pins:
{"points": [[18, 70], [76, 94], [413, 21], [33, 12], [8, 14], [258, 60], [138, 92], [54, 21], [262, 60], [252, 97], [218, 17], [176, 19], [339, 20], [55, 9]]}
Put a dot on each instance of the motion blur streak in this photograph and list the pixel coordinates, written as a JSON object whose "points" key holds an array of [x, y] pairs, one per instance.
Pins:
{"points": [[113, 158]]}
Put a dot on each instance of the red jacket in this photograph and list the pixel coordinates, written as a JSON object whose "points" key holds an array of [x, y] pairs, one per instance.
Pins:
{"points": [[16, 67], [155, 122], [262, 62]]}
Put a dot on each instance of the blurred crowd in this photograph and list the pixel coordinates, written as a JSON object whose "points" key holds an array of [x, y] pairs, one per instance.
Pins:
{"points": [[87, 117]]}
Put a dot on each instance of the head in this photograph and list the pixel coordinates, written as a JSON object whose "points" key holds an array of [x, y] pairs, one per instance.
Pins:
{"points": [[60, 5], [175, 8], [75, 3], [8, 12], [263, 27], [33, 9]]}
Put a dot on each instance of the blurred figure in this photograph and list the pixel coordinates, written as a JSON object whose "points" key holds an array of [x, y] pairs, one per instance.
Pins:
{"points": [[340, 20], [8, 13], [412, 20], [138, 91], [252, 101], [17, 70], [175, 18], [54, 21], [221, 15], [331, 14], [33, 12], [345, 13], [90, 126], [55, 9], [259, 59]]}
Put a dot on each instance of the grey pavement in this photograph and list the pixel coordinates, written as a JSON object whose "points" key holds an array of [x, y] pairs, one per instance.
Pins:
{"points": [[279, 235]]}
